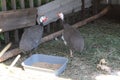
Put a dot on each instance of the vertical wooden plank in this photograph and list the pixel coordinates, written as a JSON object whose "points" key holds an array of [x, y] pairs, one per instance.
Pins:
{"points": [[0, 44], [48, 26], [95, 6], [47, 1], [83, 8], [71, 17], [16, 32], [4, 8], [22, 4], [16, 35], [39, 2], [31, 3], [13, 4], [110, 2], [0, 41], [55, 26], [3, 4]]}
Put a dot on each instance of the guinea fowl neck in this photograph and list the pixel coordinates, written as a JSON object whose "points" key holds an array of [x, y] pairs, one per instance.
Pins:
{"points": [[64, 24], [41, 24], [62, 21]]}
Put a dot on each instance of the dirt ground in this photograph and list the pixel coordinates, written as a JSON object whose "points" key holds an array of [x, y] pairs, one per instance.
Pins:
{"points": [[102, 41]]}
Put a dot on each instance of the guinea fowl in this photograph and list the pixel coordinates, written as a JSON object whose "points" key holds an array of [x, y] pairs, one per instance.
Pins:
{"points": [[71, 37], [31, 37]]}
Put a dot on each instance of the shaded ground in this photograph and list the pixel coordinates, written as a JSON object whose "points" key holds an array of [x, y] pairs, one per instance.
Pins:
{"points": [[102, 40]]}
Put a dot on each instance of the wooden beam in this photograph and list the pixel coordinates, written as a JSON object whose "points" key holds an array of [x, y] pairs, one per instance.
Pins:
{"points": [[15, 19], [16, 51], [10, 54]]}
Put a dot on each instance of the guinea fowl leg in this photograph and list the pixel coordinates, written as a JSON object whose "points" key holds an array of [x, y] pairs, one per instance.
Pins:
{"points": [[71, 53], [64, 40], [24, 52]]}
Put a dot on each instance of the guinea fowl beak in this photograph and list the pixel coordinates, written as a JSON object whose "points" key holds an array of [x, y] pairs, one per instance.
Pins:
{"points": [[44, 20], [58, 14]]}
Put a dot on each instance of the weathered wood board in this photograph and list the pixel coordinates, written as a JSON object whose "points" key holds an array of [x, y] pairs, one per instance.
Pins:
{"points": [[15, 19], [66, 6]]}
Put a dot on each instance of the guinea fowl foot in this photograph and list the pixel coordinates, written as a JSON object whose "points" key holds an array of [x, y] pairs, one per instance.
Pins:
{"points": [[24, 52]]}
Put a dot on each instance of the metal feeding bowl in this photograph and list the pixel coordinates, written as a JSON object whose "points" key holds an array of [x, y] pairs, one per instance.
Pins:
{"points": [[42, 64]]}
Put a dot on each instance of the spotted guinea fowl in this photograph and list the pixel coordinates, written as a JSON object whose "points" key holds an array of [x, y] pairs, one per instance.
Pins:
{"points": [[71, 37], [31, 37]]}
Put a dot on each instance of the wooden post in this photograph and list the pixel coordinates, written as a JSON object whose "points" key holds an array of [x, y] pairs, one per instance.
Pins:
{"points": [[83, 9], [53, 26], [95, 6], [16, 32], [39, 2], [48, 26], [13, 3], [31, 3], [3, 3], [22, 4], [4, 8]]}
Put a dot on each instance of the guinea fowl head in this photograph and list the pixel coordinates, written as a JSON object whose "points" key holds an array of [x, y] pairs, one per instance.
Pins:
{"points": [[43, 19], [61, 16]]}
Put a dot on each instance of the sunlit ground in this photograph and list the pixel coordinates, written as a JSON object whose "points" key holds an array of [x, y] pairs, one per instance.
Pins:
{"points": [[15, 73], [113, 76]]}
